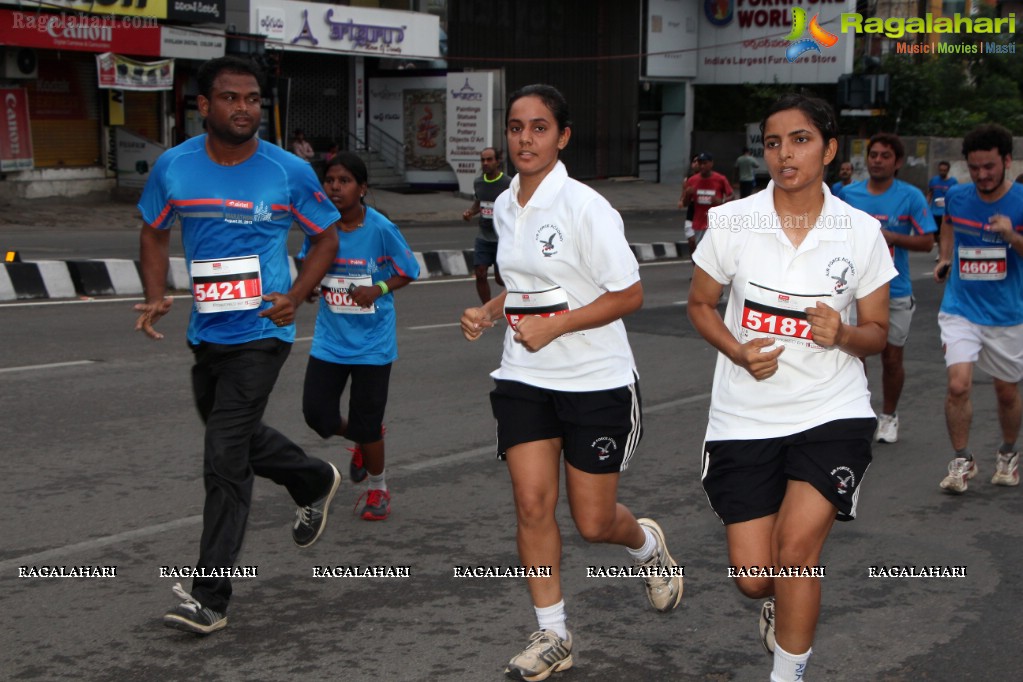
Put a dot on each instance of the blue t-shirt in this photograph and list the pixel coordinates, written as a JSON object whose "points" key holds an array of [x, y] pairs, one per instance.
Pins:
{"points": [[836, 189], [233, 212], [373, 253], [939, 188], [901, 209], [975, 289]]}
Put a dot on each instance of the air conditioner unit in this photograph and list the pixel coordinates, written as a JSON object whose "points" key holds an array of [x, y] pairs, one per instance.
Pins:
{"points": [[20, 62]]}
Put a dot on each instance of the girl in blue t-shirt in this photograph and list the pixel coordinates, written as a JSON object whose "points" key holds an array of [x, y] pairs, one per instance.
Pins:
{"points": [[355, 328]]}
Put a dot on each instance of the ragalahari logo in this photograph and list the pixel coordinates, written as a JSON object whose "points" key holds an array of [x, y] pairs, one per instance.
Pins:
{"points": [[818, 36]]}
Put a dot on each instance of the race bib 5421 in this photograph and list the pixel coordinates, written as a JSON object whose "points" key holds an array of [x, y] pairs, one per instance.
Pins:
{"points": [[225, 284]]}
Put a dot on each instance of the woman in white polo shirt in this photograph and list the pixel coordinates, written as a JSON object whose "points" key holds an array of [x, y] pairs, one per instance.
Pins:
{"points": [[567, 381], [790, 428]]}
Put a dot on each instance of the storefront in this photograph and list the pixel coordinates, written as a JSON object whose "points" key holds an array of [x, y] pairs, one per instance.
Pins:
{"points": [[73, 109], [321, 55]]}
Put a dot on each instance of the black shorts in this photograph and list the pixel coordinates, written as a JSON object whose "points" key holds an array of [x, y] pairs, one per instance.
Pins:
{"points": [[599, 429], [484, 252], [746, 479], [321, 398]]}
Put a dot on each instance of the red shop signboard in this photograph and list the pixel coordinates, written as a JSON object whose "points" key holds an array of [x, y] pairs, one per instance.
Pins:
{"points": [[82, 32]]}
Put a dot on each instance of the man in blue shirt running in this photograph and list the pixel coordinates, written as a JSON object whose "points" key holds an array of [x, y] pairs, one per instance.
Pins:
{"points": [[981, 316], [937, 188], [906, 226], [236, 197]]}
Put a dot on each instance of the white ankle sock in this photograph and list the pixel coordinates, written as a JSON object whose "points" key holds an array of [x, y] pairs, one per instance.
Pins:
{"points": [[789, 667], [552, 618], [377, 482], [645, 552]]}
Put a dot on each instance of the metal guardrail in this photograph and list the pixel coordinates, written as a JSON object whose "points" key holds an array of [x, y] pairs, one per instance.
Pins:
{"points": [[390, 148]]}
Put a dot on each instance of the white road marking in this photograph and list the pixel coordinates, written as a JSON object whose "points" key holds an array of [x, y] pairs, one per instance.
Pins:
{"points": [[52, 365]]}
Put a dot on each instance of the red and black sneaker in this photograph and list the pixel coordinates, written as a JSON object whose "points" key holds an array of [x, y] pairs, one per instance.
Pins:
{"points": [[378, 505]]}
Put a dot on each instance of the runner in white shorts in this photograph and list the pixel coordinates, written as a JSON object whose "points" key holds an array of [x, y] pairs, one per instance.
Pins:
{"points": [[981, 316]]}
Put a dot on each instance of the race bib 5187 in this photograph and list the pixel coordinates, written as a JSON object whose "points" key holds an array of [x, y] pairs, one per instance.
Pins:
{"points": [[779, 316]]}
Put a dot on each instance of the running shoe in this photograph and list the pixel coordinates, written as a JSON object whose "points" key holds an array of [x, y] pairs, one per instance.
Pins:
{"points": [[887, 428], [960, 470], [1006, 469], [191, 616], [767, 625], [311, 520], [377, 507], [547, 653], [356, 471], [663, 591]]}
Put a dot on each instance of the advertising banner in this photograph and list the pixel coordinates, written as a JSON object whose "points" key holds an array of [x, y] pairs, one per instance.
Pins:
{"points": [[470, 103], [122, 73], [16, 142], [317, 27], [82, 32]]}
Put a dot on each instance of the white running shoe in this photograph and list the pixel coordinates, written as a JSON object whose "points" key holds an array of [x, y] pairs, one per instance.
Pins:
{"points": [[887, 428], [547, 653], [960, 470], [1006, 469]]}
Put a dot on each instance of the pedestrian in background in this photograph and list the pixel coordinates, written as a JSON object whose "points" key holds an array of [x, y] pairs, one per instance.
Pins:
{"points": [[705, 189], [301, 147], [745, 167], [487, 187], [937, 188]]}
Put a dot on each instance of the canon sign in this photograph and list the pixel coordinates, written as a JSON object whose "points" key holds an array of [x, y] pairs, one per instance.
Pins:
{"points": [[11, 114]]}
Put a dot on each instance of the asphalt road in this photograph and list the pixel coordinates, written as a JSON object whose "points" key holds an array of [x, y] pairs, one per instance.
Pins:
{"points": [[102, 451]]}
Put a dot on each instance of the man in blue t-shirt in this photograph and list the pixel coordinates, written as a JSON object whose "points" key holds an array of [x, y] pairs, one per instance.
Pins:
{"points": [[236, 197], [906, 226], [981, 316], [937, 188], [845, 173]]}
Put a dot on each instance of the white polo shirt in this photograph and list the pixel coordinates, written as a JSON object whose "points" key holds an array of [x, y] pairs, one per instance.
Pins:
{"points": [[559, 252], [842, 259]]}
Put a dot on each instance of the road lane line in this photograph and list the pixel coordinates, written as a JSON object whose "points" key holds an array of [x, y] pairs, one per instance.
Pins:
{"points": [[59, 555], [434, 326], [52, 365]]}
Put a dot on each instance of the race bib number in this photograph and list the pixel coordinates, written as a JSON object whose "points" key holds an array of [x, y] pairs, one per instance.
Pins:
{"points": [[985, 264], [226, 284], [705, 196], [487, 210], [939, 202], [337, 294], [546, 303], [779, 316]]}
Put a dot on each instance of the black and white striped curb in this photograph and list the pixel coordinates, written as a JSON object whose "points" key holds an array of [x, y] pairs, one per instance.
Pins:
{"points": [[121, 277]]}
